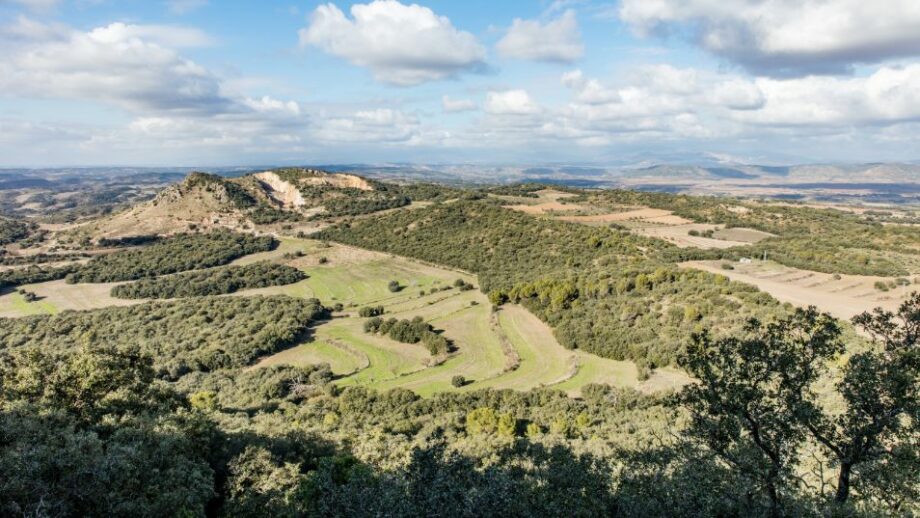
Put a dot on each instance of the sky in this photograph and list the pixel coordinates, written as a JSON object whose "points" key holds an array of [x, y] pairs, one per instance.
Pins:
{"points": [[208, 82]]}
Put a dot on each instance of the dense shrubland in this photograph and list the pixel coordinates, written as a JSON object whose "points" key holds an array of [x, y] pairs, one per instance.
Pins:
{"points": [[198, 334], [645, 314], [178, 253], [33, 274], [212, 281], [500, 245], [12, 230]]}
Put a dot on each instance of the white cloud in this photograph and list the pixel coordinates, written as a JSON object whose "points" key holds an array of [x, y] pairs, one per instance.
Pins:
{"points": [[787, 37], [165, 35], [401, 44], [886, 97], [511, 102], [378, 126], [457, 105], [556, 41], [738, 94], [118, 63]]}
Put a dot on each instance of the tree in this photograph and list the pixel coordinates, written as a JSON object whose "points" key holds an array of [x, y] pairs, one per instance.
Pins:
{"points": [[747, 406], [756, 403], [880, 389]]}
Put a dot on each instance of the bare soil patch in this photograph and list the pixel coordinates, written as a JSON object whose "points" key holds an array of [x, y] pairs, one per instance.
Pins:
{"points": [[549, 207], [745, 235], [843, 296]]}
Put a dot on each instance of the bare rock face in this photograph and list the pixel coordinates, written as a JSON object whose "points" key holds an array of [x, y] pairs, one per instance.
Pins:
{"points": [[339, 180], [281, 191]]}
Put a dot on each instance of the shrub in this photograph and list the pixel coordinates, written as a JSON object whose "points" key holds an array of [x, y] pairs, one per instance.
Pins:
{"points": [[458, 381], [370, 311], [394, 286]]}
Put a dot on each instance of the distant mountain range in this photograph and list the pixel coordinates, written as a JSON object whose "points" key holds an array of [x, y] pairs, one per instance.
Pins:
{"points": [[698, 174]]}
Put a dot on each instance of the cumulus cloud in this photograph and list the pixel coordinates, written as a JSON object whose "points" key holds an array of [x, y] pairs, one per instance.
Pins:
{"points": [[787, 37], [511, 102], [401, 44], [457, 105], [118, 63], [556, 41], [887, 96]]}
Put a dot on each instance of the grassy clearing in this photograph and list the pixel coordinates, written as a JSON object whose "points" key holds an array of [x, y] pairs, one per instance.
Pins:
{"points": [[342, 360], [59, 296], [14, 305]]}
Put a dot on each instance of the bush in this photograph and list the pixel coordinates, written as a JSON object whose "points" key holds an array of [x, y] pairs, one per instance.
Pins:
{"points": [[370, 311], [458, 381], [394, 286]]}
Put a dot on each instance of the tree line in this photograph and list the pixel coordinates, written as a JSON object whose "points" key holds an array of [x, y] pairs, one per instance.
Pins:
{"points": [[212, 281]]}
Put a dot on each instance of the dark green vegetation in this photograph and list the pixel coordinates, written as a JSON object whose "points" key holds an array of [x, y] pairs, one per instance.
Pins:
{"points": [[410, 332], [756, 407], [158, 409], [213, 281], [603, 290], [13, 230], [370, 311], [198, 334], [175, 254], [824, 240], [274, 441], [33, 274]]}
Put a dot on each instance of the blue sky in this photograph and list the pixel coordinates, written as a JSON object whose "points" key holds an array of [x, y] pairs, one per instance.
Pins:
{"points": [[198, 82]]}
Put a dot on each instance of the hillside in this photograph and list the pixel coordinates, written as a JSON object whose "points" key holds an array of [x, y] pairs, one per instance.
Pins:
{"points": [[478, 345], [205, 201]]}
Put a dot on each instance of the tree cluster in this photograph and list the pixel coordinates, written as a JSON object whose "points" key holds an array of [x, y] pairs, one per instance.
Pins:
{"points": [[410, 332], [174, 254], [212, 281]]}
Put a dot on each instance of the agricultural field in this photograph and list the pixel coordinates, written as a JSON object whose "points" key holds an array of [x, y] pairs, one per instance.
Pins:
{"points": [[646, 221], [843, 296]]}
